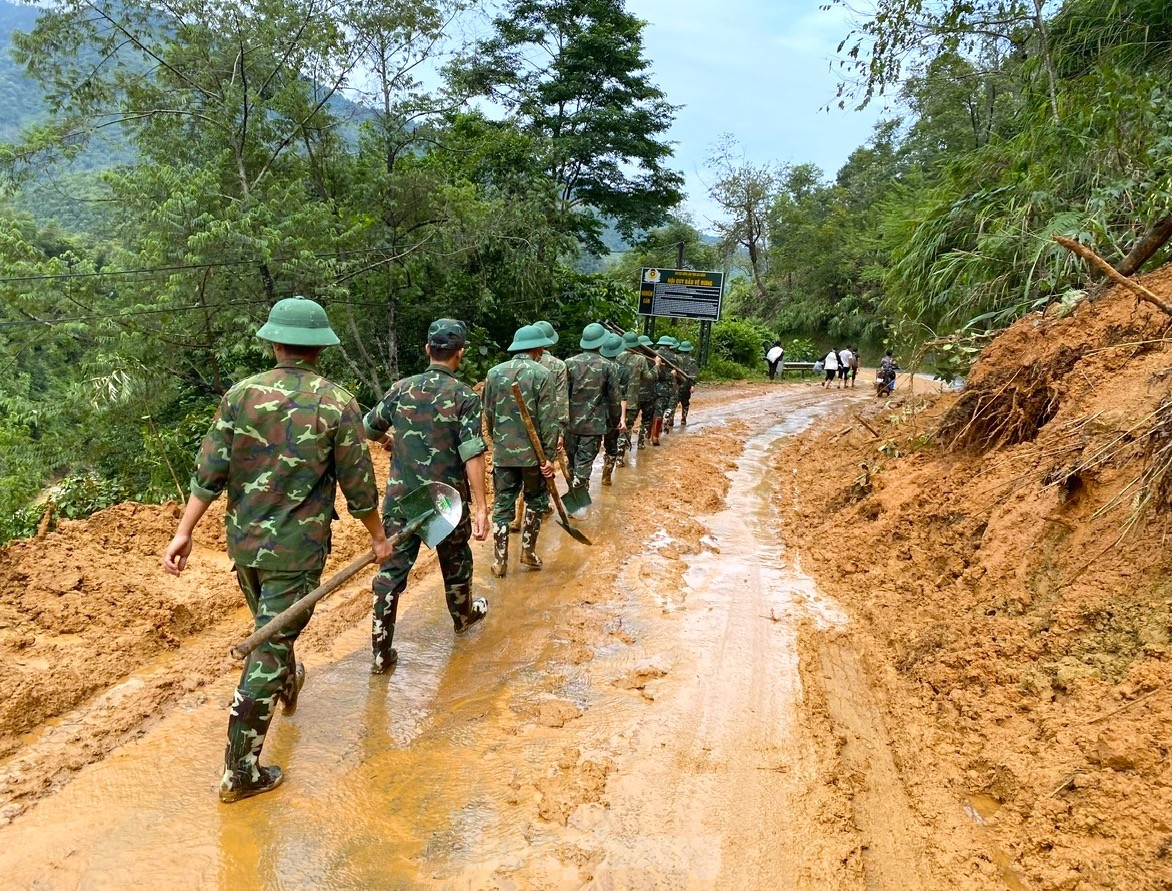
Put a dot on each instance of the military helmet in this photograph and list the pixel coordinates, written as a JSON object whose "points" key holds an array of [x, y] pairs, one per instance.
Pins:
{"points": [[646, 341], [685, 346], [593, 336], [612, 346], [529, 337], [667, 341], [298, 321], [547, 330], [630, 340]]}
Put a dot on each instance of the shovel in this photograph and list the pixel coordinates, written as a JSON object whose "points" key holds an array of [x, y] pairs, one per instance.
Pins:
{"points": [[574, 499], [535, 440], [434, 511]]}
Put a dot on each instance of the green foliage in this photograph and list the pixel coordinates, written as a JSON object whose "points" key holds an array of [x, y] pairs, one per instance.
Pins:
{"points": [[740, 341], [800, 349], [722, 369]]}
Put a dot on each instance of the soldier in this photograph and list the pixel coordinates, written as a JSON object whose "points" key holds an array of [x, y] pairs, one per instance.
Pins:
{"points": [[514, 462], [430, 423], [640, 374], [558, 367], [665, 386], [688, 363], [280, 443], [594, 396], [647, 394], [616, 423]]}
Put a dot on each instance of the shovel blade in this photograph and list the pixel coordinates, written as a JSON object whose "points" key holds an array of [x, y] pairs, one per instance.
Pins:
{"points": [[575, 534], [439, 504], [576, 498]]}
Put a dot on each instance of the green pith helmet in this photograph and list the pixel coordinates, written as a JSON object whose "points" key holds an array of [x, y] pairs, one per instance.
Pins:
{"points": [[593, 336], [630, 340], [612, 346], [298, 321], [529, 337], [685, 346], [547, 330], [644, 340], [666, 341]]}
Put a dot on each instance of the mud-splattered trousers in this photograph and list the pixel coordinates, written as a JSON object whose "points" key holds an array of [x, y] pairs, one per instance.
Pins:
{"points": [[455, 560], [270, 667], [507, 484], [582, 449]]}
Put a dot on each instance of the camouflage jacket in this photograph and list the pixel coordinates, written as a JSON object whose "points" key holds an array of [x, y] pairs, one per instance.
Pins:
{"points": [[623, 379], [435, 422], [510, 440], [640, 376], [279, 443], [594, 393], [691, 366], [558, 367], [666, 383]]}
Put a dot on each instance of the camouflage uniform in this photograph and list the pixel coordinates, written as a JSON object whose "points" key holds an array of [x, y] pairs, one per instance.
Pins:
{"points": [[692, 367], [514, 463], [594, 398], [665, 386], [561, 387], [640, 375], [435, 425], [280, 443], [648, 396]]}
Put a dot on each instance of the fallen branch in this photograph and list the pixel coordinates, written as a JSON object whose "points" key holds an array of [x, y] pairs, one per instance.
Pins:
{"points": [[874, 432], [1112, 273], [1128, 705], [841, 433]]}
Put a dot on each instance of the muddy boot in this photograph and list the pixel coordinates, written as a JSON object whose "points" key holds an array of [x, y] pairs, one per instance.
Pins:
{"points": [[683, 417], [477, 610], [515, 525], [607, 469], [642, 442], [384, 661], [656, 429], [500, 550], [529, 533], [465, 611], [382, 629], [243, 776], [292, 689]]}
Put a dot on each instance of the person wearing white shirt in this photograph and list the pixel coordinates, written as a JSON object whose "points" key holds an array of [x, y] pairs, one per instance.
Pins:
{"points": [[830, 364], [845, 359], [774, 357]]}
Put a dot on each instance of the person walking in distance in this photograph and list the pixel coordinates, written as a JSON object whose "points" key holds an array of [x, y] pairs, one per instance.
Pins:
{"points": [[830, 366], [640, 375], [845, 357], [853, 368], [616, 422], [665, 386], [281, 443], [692, 368], [515, 467], [773, 358], [430, 423], [648, 398], [594, 396]]}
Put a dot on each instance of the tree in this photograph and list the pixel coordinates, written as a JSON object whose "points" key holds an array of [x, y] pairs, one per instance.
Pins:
{"points": [[574, 75], [745, 192]]}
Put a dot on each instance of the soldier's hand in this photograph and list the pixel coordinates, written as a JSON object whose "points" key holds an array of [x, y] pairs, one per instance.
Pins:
{"points": [[387, 442], [547, 470], [382, 550], [480, 522], [176, 554], [659, 361]]}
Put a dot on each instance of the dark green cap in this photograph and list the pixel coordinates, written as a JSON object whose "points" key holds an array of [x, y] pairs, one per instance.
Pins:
{"points": [[529, 337], [612, 346], [593, 336], [447, 334], [547, 330], [298, 321], [685, 346]]}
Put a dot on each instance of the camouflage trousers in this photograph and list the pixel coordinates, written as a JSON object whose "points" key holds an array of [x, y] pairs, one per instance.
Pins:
{"points": [[270, 667], [646, 416], [613, 440], [455, 560], [507, 484], [683, 398], [665, 398], [582, 449]]}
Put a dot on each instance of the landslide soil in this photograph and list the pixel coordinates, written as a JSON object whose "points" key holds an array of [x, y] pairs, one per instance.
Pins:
{"points": [[1011, 589]]}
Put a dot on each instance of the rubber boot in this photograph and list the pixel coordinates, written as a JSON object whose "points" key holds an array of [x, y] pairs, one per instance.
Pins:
{"points": [[683, 417], [247, 726], [500, 550], [529, 532], [656, 429], [465, 611], [515, 525], [382, 633], [607, 469], [292, 688], [642, 441]]}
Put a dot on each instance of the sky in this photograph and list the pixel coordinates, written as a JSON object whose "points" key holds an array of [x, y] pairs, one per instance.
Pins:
{"points": [[759, 69]]}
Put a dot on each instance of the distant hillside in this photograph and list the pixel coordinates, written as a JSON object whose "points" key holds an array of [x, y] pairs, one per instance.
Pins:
{"points": [[20, 99]]}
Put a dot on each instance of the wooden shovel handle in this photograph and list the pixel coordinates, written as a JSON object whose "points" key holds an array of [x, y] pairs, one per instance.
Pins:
{"points": [[535, 440]]}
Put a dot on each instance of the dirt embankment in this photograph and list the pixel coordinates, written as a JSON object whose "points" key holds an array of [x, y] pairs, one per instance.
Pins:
{"points": [[1012, 588]]}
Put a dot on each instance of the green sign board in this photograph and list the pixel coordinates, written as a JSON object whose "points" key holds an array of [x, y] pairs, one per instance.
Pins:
{"points": [[681, 294]]}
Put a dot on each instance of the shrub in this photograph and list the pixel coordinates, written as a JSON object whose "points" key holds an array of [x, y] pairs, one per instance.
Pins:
{"points": [[739, 341]]}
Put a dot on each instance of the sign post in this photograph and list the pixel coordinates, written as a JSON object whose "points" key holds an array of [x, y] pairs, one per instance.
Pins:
{"points": [[682, 294]]}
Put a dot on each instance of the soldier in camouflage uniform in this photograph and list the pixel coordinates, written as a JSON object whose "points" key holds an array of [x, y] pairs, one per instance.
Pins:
{"points": [[430, 423], [665, 386], [558, 367], [647, 396], [514, 462], [594, 397], [640, 374], [280, 444], [616, 422], [689, 364]]}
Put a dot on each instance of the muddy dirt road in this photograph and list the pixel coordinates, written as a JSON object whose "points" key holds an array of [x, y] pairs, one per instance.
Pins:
{"points": [[673, 708]]}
